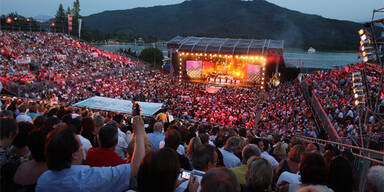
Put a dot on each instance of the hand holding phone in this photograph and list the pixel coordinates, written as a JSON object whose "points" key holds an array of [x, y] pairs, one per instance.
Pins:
{"points": [[193, 184], [136, 109], [186, 175]]}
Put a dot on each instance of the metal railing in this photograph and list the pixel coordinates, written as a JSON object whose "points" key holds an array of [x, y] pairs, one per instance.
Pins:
{"points": [[365, 153], [364, 157], [319, 112]]}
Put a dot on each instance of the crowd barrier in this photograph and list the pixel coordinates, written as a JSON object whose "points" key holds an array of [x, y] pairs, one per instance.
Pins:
{"points": [[364, 158], [318, 112]]}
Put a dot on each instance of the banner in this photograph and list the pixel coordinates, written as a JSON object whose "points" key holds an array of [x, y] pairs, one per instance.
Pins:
{"points": [[212, 89], [61, 57], [94, 54], [118, 105], [23, 60], [70, 23]]}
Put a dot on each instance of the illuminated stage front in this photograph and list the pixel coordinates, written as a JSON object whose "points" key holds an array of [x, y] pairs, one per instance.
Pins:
{"points": [[243, 62], [223, 69]]}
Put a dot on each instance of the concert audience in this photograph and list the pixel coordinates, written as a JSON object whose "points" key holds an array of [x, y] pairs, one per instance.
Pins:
{"points": [[313, 171], [334, 88], [289, 167], [157, 135], [77, 125], [9, 162], [259, 174], [159, 171], [105, 156], [29, 171], [216, 126], [64, 159], [19, 144], [220, 179], [231, 148], [173, 140], [264, 153], [375, 179], [340, 175], [203, 159], [249, 151]]}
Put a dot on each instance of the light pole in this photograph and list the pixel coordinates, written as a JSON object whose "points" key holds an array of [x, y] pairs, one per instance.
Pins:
{"points": [[9, 20], [29, 22], [53, 26], [16, 21]]}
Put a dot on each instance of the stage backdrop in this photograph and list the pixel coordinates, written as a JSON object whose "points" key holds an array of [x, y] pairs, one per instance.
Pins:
{"points": [[254, 72], [118, 105], [194, 69]]}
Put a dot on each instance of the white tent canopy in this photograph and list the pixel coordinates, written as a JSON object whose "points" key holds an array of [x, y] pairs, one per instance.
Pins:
{"points": [[118, 105]]}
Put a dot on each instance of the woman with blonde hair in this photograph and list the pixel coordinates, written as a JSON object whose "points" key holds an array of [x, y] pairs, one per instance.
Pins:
{"points": [[279, 152], [194, 143]]}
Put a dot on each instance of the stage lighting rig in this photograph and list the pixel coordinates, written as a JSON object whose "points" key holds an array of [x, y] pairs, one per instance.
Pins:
{"points": [[366, 46], [358, 88]]}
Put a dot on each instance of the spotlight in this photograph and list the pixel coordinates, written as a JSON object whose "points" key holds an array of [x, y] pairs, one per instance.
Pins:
{"points": [[361, 31], [363, 37]]}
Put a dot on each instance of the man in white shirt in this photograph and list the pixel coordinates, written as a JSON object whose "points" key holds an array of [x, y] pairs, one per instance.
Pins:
{"points": [[231, 147], [287, 177], [64, 159], [264, 154], [122, 144], [123, 138], [350, 113], [340, 115], [86, 144], [23, 117]]}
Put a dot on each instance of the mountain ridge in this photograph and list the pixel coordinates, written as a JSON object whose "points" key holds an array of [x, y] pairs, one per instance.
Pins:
{"points": [[257, 19]]}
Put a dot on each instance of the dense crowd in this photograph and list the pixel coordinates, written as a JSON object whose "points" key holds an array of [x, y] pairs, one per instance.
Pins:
{"points": [[50, 147], [87, 71], [335, 89], [237, 139]]}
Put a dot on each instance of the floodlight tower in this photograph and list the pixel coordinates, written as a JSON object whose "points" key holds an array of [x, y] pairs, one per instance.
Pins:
{"points": [[372, 50]]}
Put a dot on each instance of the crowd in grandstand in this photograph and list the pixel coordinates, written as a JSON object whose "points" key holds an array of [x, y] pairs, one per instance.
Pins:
{"points": [[82, 75], [237, 139], [47, 147], [335, 89]]}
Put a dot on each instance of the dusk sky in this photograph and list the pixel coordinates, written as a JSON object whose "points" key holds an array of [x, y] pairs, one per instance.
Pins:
{"points": [[353, 10]]}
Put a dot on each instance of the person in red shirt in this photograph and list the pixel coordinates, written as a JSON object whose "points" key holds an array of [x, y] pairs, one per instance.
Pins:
{"points": [[105, 155]]}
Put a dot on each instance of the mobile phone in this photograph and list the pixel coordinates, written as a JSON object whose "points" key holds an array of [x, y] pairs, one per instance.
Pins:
{"points": [[186, 175], [136, 109]]}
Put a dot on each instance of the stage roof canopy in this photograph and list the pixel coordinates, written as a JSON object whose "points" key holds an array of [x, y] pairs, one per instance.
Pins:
{"points": [[118, 105], [227, 45]]}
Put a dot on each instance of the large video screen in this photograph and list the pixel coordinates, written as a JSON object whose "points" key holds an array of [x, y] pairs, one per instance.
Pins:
{"points": [[194, 68], [254, 72]]}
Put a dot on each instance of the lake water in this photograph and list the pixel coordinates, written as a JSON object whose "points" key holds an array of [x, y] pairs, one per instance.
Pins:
{"points": [[292, 58]]}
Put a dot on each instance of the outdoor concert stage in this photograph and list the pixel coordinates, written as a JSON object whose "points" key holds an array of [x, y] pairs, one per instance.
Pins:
{"points": [[224, 61]]}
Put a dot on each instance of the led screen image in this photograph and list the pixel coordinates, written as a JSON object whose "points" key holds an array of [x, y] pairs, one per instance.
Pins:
{"points": [[194, 68]]}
